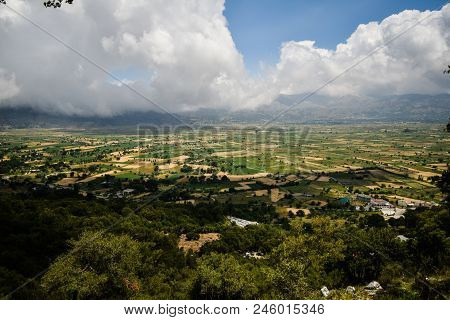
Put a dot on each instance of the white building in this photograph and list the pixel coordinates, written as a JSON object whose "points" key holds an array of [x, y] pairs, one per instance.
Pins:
{"points": [[241, 222], [380, 204], [393, 212]]}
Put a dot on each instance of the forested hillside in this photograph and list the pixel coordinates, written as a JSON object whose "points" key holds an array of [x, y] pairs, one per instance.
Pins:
{"points": [[65, 246]]}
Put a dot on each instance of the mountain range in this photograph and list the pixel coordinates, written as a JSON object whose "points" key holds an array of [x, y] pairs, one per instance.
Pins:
{"points": [[285, 109]]}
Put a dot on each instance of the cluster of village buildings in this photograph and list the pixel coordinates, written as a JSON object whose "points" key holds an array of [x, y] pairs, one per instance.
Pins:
{"points": [[390, 210]]}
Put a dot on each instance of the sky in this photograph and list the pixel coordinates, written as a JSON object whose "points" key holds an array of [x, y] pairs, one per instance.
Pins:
{"points": [[259, 27], [106, 57]]}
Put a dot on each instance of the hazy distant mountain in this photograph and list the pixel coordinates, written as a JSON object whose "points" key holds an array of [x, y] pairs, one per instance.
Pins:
{"points": [[426, 108], [26, 117], [316, 109]]}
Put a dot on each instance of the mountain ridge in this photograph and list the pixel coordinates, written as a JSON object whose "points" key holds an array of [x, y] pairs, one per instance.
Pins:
{"points": [[316, 109]]}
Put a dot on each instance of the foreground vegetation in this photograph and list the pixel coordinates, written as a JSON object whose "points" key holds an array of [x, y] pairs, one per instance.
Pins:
{"points": [[104, 250]]}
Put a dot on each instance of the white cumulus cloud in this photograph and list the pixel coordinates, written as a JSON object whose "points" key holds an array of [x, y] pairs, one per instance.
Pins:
{"points": [[183, 49], [396, 62], [186, 58]]}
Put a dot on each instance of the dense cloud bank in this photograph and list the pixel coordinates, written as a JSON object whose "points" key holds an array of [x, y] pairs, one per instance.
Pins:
{"points": [[181, 55]]}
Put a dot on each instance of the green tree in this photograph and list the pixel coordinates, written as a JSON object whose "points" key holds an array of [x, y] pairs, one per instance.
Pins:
{"points": [[368, 251], [222, 276], [100, 266], [444, 184], [302, 262], [375, 220]]}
